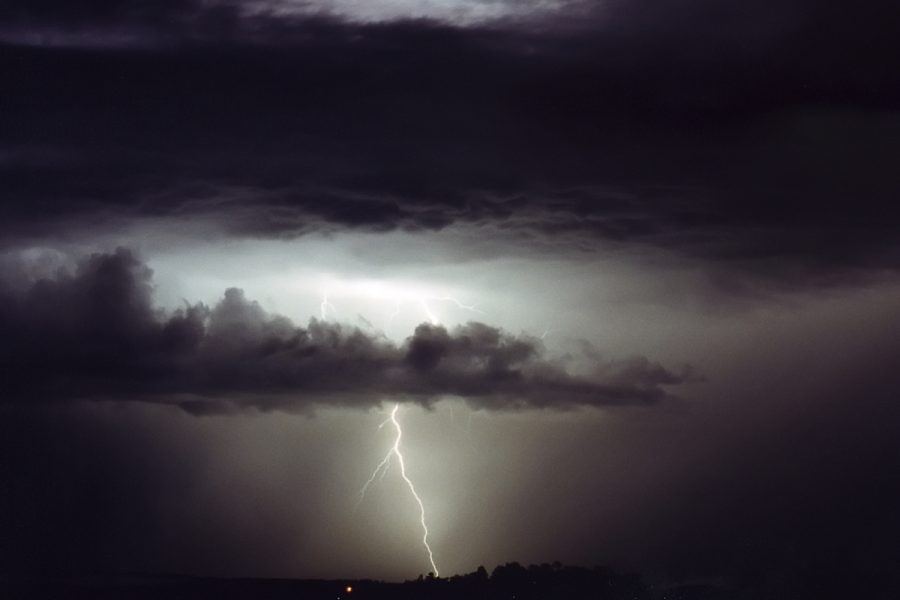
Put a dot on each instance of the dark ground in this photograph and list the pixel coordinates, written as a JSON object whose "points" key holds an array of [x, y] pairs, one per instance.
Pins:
{"points": [[508, 582], [511, 581]]}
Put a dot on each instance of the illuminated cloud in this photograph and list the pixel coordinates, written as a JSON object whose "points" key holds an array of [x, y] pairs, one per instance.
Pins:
{"points": [[96, 335], [456, 12]]}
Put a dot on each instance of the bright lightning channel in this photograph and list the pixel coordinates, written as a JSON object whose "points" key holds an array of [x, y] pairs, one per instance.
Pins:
{"points": [[325, 306], [398, 294], [383, 467]]}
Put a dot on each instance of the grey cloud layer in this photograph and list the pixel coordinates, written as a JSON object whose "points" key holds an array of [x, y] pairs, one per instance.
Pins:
{"points": [[758, 135], [96, 335]]}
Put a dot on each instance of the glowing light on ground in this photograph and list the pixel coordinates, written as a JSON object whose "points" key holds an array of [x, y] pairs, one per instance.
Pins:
{"points": [[382, 469]]}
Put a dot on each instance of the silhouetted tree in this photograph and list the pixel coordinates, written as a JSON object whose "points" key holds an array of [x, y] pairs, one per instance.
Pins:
{"points": [[481, 574]]}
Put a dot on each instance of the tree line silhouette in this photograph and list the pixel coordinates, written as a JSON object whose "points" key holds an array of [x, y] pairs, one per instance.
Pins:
{"points": [[547, 581], [511, 581]]}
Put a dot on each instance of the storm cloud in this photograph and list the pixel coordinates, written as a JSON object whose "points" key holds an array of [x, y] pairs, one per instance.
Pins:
{"points": [[649, 183], [95, 334], [756, 137]]}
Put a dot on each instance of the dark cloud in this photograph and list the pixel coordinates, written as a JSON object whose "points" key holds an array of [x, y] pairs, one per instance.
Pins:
{"points": [[115, 21], [761, 136], [96, 12], [95, 334]]}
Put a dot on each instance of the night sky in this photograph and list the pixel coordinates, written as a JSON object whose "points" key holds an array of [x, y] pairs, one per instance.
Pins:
{"points": [[631, 269]]}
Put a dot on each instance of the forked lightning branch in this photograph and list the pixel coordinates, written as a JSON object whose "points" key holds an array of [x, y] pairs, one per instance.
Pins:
{"points": [[382, 468]]}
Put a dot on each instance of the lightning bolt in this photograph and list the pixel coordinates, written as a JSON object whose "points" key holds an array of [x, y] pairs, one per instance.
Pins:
{"points": [[392, 316], [469, 307], [429, 313], [325, 306], [434, 318], [402, 296], [382, 469]]}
